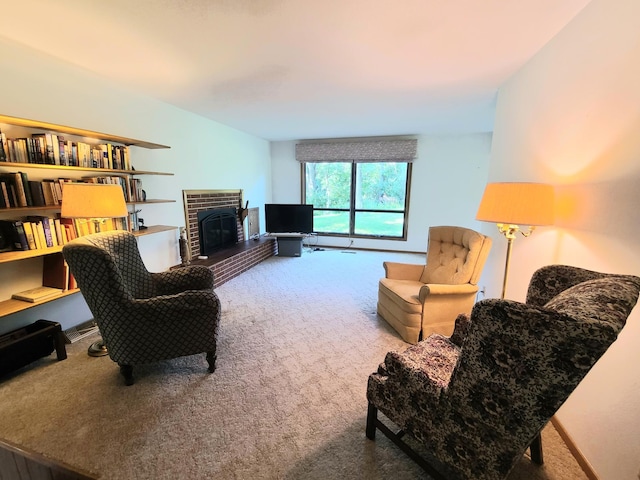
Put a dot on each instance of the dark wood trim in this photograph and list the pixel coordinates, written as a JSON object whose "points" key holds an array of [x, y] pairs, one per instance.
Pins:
{"points": [[22, 463]]}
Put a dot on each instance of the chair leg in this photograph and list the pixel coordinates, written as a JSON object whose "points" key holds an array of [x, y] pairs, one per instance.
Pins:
{"points": [[127, 373], [536, 450], [374, 423], [211, 360], [372, 416]]}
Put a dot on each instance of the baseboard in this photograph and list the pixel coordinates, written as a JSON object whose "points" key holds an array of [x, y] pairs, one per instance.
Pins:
{"points": [[575, 451]]}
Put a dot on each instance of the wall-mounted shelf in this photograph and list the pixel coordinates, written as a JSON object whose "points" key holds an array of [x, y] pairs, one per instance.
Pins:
{"points": [[23, 122], [57, 207], [80, 169]]}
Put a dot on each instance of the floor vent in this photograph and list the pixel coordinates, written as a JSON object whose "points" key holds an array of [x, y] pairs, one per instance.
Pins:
{"points": [[78, 332]]}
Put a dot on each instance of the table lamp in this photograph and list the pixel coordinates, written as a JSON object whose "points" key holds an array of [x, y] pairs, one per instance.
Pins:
{"points": [[513, 206], [93, 202]]}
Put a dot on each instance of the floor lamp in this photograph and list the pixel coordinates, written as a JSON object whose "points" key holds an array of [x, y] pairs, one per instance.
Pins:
{"points": [[93, 202], [513, 206]]}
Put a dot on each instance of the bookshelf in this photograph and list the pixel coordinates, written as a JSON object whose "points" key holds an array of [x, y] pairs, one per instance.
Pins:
{"points": [[24, 128]]}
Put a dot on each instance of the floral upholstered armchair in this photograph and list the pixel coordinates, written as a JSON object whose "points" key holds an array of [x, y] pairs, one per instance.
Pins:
{"points": [[144, 317], [477, 400]]}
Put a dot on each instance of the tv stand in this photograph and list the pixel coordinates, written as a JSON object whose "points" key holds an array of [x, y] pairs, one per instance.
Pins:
{"points": [[289, 244]]}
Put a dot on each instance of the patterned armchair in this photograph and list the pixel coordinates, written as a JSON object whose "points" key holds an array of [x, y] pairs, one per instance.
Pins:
{"points": [[418, 300], [477, 400], [144, 317]]}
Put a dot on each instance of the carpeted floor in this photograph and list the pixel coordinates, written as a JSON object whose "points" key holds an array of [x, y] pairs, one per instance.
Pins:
{"points": [[298, 339]]}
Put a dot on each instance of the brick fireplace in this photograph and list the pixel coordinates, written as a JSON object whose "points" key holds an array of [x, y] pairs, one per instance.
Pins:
{"points": [[230, 261]]}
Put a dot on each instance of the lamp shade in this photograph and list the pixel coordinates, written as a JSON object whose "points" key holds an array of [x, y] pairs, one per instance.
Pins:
{"points": [[92, 200], [517, 204]]}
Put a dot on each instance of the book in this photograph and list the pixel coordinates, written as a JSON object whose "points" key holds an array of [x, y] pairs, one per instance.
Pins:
{"points": [[20, 191], [22, 236], [69, 225], [31, 239], [7, 181], [4, 199], [37, 294], [8, 236], [44, 230], [37, 194], [4, 148], [25, 187], [38, 235], [59, 231], [55, 271], [51, 147], [47, 191]]}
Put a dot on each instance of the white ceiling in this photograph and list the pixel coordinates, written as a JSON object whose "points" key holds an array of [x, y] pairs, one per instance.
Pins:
{"points": [[298, 69]]}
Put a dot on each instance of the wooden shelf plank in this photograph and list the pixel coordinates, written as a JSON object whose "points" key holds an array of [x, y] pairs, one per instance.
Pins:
{"points": [[154, 229], [57, 207], [101, 171], [11, 306], [15, 256], [81, 132]]}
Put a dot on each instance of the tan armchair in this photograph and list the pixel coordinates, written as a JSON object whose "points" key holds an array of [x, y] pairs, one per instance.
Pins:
{"points": [[418, 300]]}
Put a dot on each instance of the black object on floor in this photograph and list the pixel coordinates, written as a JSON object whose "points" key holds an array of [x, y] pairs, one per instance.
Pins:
{"points": [[27, 344]]}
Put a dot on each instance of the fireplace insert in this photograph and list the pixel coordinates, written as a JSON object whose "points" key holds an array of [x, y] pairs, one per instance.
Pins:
{"points": [[217, 229]]}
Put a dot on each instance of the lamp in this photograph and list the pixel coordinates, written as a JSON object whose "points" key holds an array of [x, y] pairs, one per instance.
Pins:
{"points": [[512, 205], [95, 202]]}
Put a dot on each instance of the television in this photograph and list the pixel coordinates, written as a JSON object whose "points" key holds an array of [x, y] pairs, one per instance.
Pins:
{"points": [[288, 218]]}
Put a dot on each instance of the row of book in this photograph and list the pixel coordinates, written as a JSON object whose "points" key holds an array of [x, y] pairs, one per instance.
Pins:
{"points": [[16, 190], [41, 232], [52, 149]]}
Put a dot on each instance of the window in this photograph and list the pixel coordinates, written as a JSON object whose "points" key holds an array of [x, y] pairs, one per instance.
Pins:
{"points": [[362, 199]]}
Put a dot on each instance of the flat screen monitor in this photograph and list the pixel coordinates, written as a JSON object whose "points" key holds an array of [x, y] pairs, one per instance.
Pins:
{"points": [[288, 218]]}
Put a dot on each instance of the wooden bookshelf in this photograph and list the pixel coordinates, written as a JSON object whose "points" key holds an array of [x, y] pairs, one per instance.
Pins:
{"points": [[11, 306]]}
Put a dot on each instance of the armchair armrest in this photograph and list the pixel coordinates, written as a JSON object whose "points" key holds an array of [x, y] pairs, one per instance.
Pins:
{"points": [[175, 306], [193, 277], [425, 367], [446, 289], [460, 330], [403, 271]]}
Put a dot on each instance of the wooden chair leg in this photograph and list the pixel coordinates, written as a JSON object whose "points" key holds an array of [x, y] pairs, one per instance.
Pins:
{"points": [[536, 450], [372, 416], [211, 360], [127, 373]]}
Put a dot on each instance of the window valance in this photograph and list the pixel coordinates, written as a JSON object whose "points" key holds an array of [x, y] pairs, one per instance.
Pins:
{"points": [[360, 151]]}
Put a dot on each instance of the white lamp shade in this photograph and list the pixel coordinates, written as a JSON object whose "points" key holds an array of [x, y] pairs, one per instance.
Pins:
{"points": [[92, 200]]}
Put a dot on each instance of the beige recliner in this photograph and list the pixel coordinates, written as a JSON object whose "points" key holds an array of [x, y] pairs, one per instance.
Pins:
{"points": [[418, 300]]}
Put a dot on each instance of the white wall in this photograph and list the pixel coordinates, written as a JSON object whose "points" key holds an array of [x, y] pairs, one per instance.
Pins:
{"points": [[447, 183], [203, 155], [571, 117]]}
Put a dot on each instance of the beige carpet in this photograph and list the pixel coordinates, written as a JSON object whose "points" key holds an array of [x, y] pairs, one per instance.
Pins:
{"points": [[298, 339]]}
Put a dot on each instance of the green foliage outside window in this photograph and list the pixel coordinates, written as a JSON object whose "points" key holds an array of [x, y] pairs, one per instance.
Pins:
{"points": [[378, 188]]}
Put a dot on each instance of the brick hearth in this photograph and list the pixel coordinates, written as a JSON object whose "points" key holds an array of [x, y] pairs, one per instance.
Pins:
{"points": [[232, 261]]}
